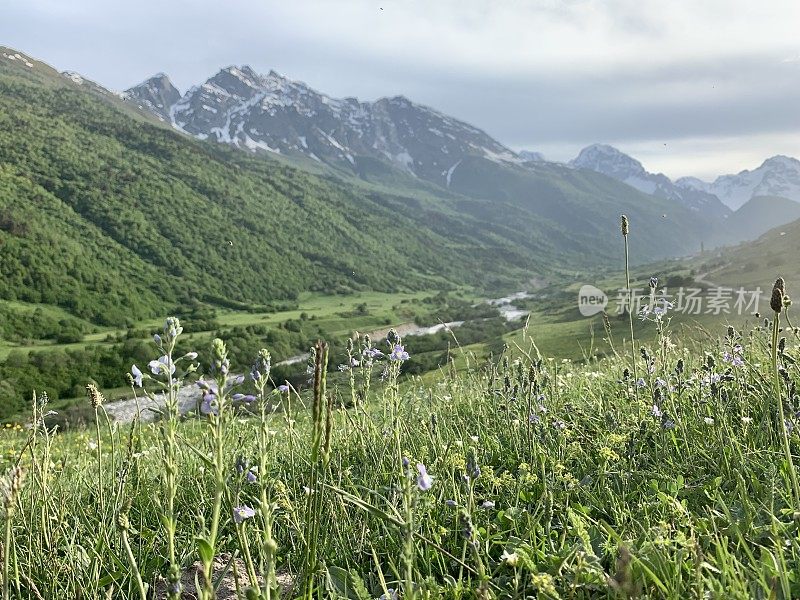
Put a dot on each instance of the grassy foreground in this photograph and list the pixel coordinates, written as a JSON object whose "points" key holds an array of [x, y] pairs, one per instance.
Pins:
{"points": [[522, 478]]}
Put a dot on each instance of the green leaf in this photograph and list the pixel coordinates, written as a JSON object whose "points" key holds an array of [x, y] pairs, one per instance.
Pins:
{"points": [[205, 550]]}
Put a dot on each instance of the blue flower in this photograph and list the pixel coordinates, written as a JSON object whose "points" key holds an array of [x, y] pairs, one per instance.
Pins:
{"points": [[163, 364], [424, 481], [209, 405], [240, 513], [137, 375], [398, 353], [656, 412], [283, 388], [251, 476], [640, 382]]}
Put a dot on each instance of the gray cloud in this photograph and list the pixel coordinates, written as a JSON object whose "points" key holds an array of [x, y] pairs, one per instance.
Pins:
{"points": [[712, 79]]}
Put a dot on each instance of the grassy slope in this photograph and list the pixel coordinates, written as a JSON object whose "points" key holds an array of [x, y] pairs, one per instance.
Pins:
{"points": [[760, 214], [757, 263]]}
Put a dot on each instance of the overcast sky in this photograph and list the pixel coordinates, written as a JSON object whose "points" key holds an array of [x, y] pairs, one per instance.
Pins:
{"points": [[689, 87]]}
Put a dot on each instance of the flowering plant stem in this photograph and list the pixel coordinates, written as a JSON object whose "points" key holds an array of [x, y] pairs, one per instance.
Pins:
{"points": [[220, 366]]}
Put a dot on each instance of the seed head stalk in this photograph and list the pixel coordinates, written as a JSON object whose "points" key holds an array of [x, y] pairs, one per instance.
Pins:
{"points": [[96, 400], [625, 228], [320, 454], [778, 302]]}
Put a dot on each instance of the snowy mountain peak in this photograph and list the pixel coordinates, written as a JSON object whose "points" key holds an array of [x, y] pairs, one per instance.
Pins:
{"points": [[781, 161], [609, 161], [777, 176], [272, 113], [530, 156], [156, 94]]}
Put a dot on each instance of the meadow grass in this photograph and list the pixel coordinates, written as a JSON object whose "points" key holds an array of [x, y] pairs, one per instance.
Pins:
{"points": [[549, 479], [664, 469]]}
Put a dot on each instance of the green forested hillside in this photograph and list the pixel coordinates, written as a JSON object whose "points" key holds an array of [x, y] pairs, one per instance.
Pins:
{"points": [[114, 218]]}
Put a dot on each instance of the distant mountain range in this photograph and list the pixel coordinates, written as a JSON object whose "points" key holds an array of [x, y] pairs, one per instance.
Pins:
{"points": [[777, 177], [610, 161], [275, 114], [392, 138]]}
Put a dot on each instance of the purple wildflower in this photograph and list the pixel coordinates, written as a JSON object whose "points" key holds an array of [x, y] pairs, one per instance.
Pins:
{"points": [[283, 388], [240, 513], [640, 383], [398, 353], [487, 504], [209, 405], [656, 412], [424, 481], [251, 476]]}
